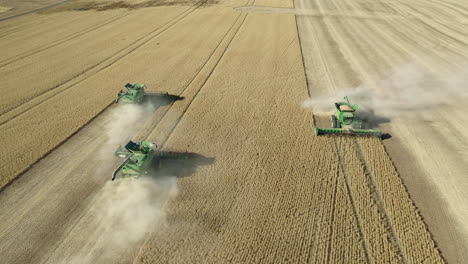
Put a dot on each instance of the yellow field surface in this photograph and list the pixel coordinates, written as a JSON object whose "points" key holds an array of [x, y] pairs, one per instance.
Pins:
{"points": [[276, 193], [272, 192], [89, 86]]}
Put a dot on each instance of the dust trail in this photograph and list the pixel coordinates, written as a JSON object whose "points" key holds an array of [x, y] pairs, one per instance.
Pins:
{"points": [[123, 211], [127, 208], [125, 122], [410, 91], [124, 119]]}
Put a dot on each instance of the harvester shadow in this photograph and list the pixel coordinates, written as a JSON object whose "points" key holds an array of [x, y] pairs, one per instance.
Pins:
{"points": [[160, 99], [370, 120], [177, 164]]}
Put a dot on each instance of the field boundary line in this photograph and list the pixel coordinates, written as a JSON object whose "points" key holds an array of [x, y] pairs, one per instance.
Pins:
{"points": [[90, 71], [302, 53], [351, 198], [60, 41]]}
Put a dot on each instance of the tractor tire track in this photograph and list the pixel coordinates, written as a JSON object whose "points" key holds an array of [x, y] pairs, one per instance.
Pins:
{"points": [[58, 42], [35, 10], [338, 72], [205, 79], [161, 114], [54, 216], [395, 36], [393, 45], [27, 26], [451, 32], [342, 166], [69, 220], [92, 70], [379, 202], [332, 220], [201, 87]]}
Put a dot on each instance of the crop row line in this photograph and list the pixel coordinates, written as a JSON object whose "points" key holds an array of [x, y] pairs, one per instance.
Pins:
{"points": [[351, 198], [93, 70], [211, 71], [58, 42], [378, 200]]}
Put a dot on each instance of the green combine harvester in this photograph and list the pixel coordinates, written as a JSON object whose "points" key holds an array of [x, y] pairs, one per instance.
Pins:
{"points": [[135, 93], [141, 157], [345, 122], [138, 158]]}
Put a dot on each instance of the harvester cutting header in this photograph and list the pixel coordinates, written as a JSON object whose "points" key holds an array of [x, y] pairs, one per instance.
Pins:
{"points": [[345, 122], [138, 157], [135, 94], [142, 157]]}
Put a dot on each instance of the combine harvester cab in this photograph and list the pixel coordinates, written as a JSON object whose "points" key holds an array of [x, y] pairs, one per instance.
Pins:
{"points": [[345, 122], [138, 158], [134, 94]]}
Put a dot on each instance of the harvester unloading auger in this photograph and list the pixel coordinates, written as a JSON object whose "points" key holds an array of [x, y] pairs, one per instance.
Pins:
{"points": [[345, 122], [135, 93], [140, 158]]}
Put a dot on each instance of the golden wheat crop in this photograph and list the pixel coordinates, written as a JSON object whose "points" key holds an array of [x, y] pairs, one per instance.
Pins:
{"points": [[34, 128], [276, 193]]}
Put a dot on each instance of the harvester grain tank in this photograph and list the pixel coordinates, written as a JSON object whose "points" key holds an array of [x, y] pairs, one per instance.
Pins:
{"points": [[134, 94], [345, 122]]}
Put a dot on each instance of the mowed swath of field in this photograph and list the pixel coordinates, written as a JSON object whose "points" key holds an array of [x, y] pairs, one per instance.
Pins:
{"points": [[277, 193]]}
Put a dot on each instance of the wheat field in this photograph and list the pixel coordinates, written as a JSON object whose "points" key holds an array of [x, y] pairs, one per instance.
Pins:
{"points": [[273, 191]]}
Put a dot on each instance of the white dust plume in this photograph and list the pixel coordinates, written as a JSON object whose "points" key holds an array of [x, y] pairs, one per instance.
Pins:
{"points": [[122, 215], [410, 91]]}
